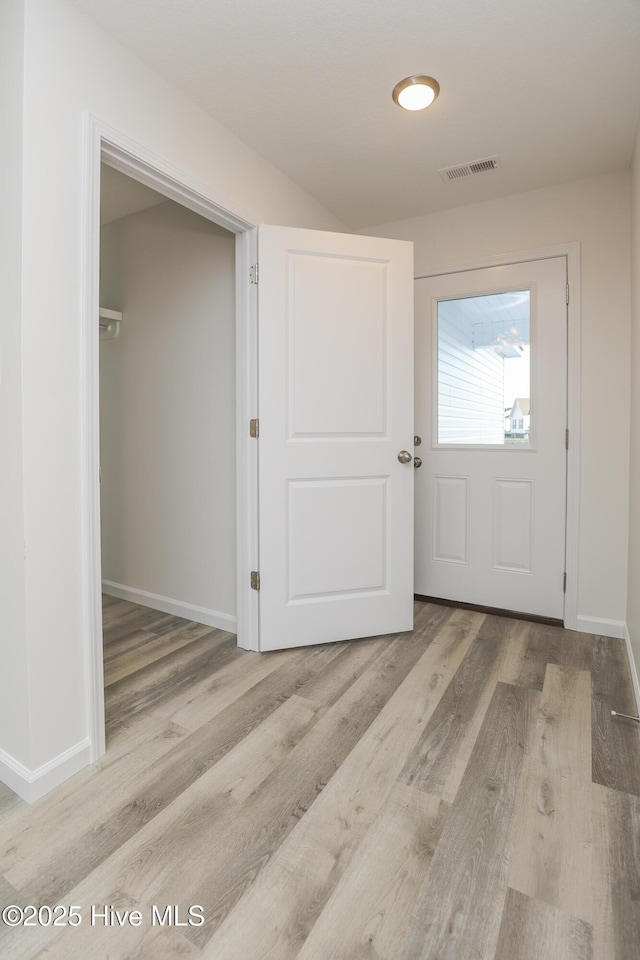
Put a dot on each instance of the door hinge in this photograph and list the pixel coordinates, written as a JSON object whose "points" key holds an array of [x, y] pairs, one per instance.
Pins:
{"points": [[253, 273], [566, 439], [564, 583], [567, 298], [254, 429], [255, 580]]}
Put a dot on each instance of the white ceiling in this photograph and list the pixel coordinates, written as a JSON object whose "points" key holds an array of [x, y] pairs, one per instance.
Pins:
{"points": [[550, 86]]}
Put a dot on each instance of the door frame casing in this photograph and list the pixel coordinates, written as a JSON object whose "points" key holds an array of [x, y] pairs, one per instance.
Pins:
{"points": [[570, 251], [103, 143]]}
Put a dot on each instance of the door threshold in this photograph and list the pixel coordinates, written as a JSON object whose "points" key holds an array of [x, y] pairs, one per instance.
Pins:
{"points": [[493, 611]]}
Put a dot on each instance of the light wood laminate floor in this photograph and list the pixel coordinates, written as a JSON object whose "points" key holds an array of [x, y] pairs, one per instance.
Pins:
{"points": [[456, 793]]}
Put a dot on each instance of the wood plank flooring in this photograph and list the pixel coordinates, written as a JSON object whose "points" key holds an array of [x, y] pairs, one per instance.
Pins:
{"points": [[460, 792]]}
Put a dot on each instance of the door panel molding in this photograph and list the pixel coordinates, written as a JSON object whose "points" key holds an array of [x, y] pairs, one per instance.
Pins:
{"points": [[513, 498], [451, 519]]}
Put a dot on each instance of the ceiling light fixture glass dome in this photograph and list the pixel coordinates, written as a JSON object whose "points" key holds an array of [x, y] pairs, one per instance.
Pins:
{"points": [[416, 93]]}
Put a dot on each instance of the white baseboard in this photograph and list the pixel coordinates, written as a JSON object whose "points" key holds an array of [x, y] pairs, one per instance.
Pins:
{"points": [[33, 784], [603, 628], [633, 667], [212, 618]]}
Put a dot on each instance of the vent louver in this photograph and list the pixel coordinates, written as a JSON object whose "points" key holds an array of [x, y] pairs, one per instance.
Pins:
{"points": [[469, 169]]}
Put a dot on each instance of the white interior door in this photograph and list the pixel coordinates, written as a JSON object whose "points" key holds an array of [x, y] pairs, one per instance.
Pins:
{"points": [[335, 321], [491, 402]]}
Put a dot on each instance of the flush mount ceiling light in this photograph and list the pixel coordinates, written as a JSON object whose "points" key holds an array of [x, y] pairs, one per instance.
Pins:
{"points": [[416, 93]]}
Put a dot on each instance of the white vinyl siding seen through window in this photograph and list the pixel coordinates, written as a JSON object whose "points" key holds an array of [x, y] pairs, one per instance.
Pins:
{"points": [[476, 338], [470, 382]]}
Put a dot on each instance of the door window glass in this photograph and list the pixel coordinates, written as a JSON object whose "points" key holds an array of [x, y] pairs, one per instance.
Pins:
{"points": [[483, 377]]}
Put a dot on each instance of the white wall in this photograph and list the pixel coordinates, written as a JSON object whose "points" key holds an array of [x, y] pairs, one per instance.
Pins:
{"points": [[14, 723], [633, 607], [71, 67], [167, 409], [594, 212]]}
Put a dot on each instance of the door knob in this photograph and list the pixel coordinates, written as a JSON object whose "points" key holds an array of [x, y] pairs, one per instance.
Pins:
{"points": [[417, 441], [417, 462], [404, 456]]}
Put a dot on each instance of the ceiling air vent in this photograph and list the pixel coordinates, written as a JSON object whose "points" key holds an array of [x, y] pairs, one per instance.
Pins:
{"points": [[469, 169]]}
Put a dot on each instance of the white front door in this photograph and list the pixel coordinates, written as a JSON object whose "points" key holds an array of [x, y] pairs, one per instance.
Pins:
{"points": [[491, 409], [335, 330]]}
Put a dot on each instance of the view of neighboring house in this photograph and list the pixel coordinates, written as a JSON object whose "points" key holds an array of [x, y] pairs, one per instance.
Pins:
{"points": [[507, 420], [519, 418]]}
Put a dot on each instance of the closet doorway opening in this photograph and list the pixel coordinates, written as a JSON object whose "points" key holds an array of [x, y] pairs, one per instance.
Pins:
{"points": [[167, 437]]}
